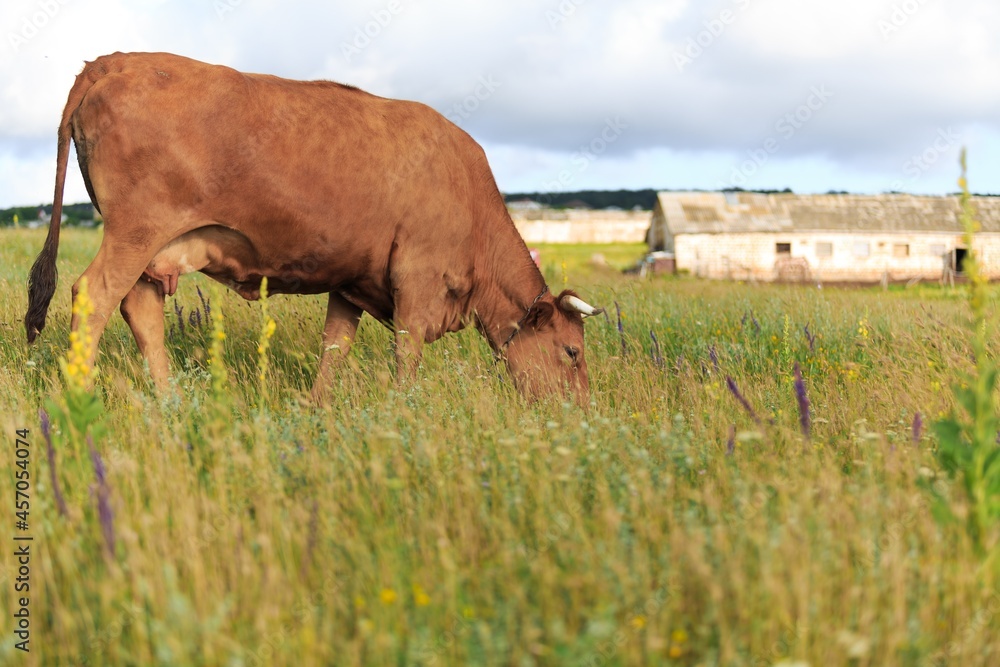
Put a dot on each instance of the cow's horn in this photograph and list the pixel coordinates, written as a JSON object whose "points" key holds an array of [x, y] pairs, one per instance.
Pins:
{"points": [[578, 305]]}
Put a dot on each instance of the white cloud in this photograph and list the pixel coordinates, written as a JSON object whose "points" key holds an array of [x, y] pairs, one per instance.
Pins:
{"points": [[564, 67], [816, 31]]}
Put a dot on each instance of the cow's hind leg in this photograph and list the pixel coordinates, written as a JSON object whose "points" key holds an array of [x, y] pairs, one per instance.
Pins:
{"points": [[113, 273], [342, 319], [142, 309]]}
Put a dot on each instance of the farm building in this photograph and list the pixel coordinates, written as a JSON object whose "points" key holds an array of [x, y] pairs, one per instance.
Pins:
{"points": [[822, 238], [539, 224]]}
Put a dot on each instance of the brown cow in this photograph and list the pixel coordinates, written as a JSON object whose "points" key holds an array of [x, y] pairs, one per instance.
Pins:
{"points": [[320, 187]]}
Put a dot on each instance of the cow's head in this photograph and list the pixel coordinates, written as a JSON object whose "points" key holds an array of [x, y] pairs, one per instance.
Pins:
{"points": [[545, 356]]}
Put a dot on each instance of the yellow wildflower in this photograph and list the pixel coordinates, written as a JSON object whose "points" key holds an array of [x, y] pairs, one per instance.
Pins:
{"points": [[76, 365], [677, 640], [266, 332], [420, 597], [216, 365]]}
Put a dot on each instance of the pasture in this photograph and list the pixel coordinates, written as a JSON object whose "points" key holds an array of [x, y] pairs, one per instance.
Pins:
{"points": [[451, 523]]}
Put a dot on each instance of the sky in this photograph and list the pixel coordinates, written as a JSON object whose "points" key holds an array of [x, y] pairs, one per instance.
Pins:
{"points": [[862, 96]]}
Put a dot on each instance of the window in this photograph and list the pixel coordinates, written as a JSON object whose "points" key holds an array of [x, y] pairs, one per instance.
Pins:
{"points": [[862, 249], [824, 249], [901, 250], [937, 250], [783, 248]]}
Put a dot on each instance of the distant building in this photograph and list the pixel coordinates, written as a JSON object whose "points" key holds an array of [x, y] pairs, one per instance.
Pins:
{"points": [[44, 217], [547, 225], [821, 238], [524, 205]]}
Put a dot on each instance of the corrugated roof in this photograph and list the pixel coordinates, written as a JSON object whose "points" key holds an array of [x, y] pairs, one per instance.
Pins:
{"points": [[717, 212]]}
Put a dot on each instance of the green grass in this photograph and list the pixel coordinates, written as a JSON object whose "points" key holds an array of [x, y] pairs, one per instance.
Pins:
{"points": [[557, 260], [450, 522]]}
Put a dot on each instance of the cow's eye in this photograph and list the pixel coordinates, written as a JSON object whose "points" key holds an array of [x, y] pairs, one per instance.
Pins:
{"points": [[571, 352]]}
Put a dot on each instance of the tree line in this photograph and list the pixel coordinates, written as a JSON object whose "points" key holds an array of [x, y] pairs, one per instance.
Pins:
{"points": [[75, 214]]}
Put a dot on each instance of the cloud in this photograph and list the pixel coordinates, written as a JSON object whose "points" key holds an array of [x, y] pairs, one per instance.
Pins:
{"points": [[899, 71]]}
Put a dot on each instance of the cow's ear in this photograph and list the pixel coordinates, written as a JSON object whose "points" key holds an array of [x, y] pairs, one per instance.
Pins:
{"points": [[540, 315]]}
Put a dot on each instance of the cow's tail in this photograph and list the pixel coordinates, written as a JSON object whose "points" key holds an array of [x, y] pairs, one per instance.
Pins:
{"points": [[44, 275]]}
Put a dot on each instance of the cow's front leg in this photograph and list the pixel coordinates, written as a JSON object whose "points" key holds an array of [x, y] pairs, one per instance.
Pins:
{"points": [[342, 318], [419, 308], [142, 309], [409, 350]]}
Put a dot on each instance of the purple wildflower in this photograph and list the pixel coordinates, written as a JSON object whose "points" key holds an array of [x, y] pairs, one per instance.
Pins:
{"points": [[731, 442], [654, 351], [680, 364], [179, 310], [713, 355], [621, 329], [735, 391], [50, 453], [312, 538], [811, 337], [103, 502], [805, 418], [95, 458], [205, 304], [918, 427]]}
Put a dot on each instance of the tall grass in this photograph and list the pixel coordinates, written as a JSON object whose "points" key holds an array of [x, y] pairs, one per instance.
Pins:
{"points": [[968, 447], [450, 522]]}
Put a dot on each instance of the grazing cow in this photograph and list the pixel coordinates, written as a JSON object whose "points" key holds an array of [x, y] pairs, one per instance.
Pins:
{"points": [[320, 187]]}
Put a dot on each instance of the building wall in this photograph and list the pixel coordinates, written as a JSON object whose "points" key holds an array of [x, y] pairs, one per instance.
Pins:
{"points": [[581, 226], [754, 255], [658, 237]]}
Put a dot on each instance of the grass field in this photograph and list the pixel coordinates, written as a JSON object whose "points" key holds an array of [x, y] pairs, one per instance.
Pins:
{"points": [[451, 523]]}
